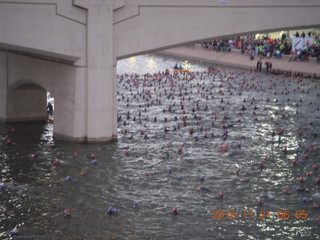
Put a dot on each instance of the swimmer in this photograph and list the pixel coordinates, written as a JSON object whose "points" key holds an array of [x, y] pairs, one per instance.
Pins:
{"points": [[221, 194], [2, 186], [286, 191], [315, 167], [14, 231], [243, 108], [300, 189], [68, 179], [84, 172], [203, 188], [66, 213], [244, 180], [267, 196], [261, 165], [110, 210], [316, 206], [58, 162], [94, 161], [175, 211]]}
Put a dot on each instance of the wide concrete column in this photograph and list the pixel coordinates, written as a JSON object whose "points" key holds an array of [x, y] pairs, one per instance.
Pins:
{"points": [[3, 86], [101, 71]]}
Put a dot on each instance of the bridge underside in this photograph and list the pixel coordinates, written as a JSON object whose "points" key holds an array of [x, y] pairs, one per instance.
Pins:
{"points": [[197, 22]]}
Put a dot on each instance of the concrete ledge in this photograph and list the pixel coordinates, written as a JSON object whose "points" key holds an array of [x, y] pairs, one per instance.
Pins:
{"points": [[32, 119], [98, 140], [60, 136], [237, 60]]}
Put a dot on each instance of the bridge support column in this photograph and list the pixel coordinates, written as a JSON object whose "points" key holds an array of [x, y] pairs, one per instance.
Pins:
{"points": [[3, 86], [101, 71]]}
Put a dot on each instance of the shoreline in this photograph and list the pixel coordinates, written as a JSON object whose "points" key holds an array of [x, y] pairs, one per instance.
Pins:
{"points": [[235, 59]]}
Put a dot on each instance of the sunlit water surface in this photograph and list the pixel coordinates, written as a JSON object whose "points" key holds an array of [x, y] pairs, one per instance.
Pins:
{"points": [[145, 165]]}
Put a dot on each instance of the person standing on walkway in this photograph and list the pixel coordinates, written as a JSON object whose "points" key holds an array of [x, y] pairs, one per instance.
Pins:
{"points": [[259, 66], [267, 67]]}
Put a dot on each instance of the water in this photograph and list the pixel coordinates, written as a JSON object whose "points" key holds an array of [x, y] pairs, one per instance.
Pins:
{"points": [[145, 165]]}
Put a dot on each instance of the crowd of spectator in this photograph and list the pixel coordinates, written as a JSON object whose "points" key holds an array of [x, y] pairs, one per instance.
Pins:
{"points": [[267, 47]]}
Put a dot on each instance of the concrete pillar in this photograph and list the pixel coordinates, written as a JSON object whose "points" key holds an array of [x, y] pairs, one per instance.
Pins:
{"points": [[101, 71], [3, 85], [85, 96]]}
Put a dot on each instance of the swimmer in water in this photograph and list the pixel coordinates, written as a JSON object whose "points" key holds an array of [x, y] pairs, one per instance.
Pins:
{"points": [[203, 188], [175, 211]]}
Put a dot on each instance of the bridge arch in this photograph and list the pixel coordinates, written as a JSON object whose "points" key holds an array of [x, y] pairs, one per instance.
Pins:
{"points": [[188, 22], [26, 101], [24, 82]]}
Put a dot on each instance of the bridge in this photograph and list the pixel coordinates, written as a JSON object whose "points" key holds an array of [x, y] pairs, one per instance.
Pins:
{"points": [[71, 47]]}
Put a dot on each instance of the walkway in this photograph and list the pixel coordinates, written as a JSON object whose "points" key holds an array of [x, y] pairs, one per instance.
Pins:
{"points": [[238, 60]]}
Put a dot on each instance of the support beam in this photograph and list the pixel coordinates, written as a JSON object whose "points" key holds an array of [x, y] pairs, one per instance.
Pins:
{"points": [[3, 85], [101, 120]]}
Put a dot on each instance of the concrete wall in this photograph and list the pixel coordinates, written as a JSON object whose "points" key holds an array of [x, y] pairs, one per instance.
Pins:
{"points": [[49, 29], [26, 103], [3, 86]]}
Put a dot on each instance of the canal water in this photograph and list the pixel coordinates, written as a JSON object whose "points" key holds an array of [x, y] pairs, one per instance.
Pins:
{"points": [[236, 153]]}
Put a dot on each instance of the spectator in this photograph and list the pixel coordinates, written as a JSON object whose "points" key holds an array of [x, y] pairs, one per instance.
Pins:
{"points": [[266, 48]]}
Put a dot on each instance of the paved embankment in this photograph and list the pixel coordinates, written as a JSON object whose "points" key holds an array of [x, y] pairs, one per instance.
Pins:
{"points": [[238, 60]]}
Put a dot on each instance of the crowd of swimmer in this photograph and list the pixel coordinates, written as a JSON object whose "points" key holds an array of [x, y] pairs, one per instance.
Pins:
{"points": [[188, 102], [266, 47], [196, 104]]}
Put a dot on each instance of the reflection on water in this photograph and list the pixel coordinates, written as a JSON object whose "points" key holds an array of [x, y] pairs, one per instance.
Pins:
{"points": [[181, 140], [154, 64]]}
